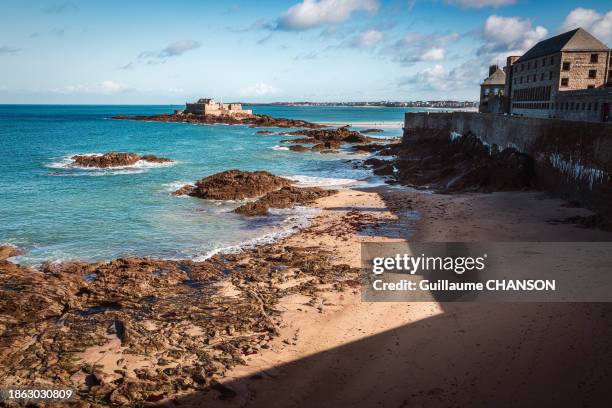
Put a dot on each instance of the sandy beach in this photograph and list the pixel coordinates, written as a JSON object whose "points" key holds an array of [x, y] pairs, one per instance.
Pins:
{"points": [[342, 351], [288, 325]]}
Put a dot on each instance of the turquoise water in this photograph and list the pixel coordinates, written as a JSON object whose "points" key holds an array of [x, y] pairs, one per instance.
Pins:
{"points": [[59, 212]]}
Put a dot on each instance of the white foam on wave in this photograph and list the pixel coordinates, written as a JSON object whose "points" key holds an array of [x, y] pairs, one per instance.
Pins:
{"points": [[312, 181], [277, 147], [300, 218], [175, 185]]}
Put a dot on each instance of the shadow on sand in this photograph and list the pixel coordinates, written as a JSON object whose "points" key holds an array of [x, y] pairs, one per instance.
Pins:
{"points": [[472, 355]]}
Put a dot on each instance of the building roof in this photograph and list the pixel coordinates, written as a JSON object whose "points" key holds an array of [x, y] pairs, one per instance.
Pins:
{"points": [[496, 78], [575, 40]]}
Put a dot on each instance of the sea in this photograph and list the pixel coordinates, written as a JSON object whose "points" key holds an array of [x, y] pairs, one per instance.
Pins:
{"points": [[59, 212]]}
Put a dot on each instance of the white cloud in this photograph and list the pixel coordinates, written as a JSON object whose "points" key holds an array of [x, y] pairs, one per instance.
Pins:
{"points": [[174, 49], [179, 48], [433, 54], [430, 78], [105, 87], [509, 36], [417, 47], [481, 3], [370, 38], [600, 25], [259, 89], [438, 78], [314, 13]]}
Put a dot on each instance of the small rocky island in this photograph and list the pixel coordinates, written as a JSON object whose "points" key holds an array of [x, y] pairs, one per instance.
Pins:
{"points": [[115, 159], [330, 140], [209, 112], [273, 191]]}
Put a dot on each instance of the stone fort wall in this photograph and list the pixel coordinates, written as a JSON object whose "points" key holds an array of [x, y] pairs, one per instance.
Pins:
{"points": [[573, 160]]}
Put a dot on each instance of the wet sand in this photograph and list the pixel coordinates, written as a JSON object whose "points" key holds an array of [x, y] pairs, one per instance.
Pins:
{"points": [[345, 352]]}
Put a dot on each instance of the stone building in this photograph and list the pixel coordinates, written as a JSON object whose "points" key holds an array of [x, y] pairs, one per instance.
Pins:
{"points": [[492, 91], [560, 73], [207, 106]]}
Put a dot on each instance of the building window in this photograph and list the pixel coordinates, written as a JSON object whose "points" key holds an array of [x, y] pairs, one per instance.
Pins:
{"points": [[594, 58], [583, 105], [552, 60], [535, 77], [528, 66], [589, 106], [592, 73], [542, 76], [527, 79], [566, 66], [544, 62], [535, 64], [550, 75], [595, 106], [564, 81]]}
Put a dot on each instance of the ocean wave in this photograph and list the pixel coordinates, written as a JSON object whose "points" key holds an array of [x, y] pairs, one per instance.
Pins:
{"points": [[312, 181], [95, 173], [175, 185], [300, 218], [277, 147]]}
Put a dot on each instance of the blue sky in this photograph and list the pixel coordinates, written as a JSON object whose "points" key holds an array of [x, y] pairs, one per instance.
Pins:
{"points": [[260, 51]]}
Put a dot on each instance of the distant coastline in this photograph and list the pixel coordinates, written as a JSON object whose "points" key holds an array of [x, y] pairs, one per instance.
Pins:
{"points": [[447, 104]]}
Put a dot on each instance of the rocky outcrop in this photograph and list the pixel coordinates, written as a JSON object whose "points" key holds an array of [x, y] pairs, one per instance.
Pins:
{"points": [[155, 159], [380, 167], [302, 140], [234, 185], [8, 251], [367, 131], [325, 147], [369, 148], [264, 132], [298, 148], [385, 170], [330, 145], [330, 140], [165, 327], [284, 198], [464, 164], [341, 135], [115, 159], [252, 120]]}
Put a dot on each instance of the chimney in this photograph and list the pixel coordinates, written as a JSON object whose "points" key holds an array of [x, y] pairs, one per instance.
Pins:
{"points": [[492, 69]]}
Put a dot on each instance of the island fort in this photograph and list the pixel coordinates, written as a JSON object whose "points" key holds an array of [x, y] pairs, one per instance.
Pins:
{"points": [[206, 106]]}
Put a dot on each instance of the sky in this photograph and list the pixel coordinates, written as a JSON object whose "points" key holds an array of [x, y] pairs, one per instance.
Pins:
{"points": [[169, 52]]}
